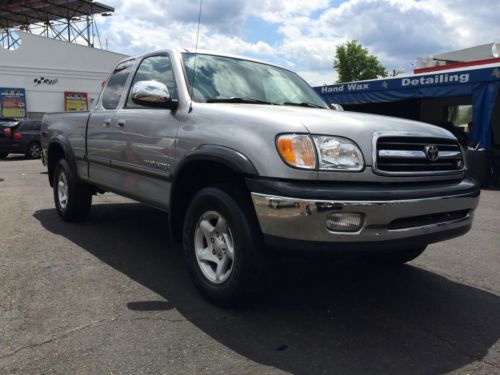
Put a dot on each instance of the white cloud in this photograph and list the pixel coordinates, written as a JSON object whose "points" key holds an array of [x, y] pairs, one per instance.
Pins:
{"points": [[319, 78], [280, 10], [398, 31]]}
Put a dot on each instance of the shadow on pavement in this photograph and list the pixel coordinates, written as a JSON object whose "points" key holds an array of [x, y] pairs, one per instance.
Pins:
{"points": [[317, 316]]}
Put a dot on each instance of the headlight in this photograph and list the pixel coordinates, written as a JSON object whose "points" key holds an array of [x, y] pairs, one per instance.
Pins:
{"points": [[337, 153], [297, 150]]}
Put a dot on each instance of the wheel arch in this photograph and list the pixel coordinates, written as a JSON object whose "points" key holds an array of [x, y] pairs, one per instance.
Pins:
{"points": [[59, 148], [205, 166]]}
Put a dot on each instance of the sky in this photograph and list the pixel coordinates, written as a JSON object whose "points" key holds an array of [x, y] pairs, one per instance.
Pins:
{"points": [[302, 35]]}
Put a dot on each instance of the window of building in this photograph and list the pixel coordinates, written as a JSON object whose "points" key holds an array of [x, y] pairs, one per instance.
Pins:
{"points": [[461, 116]]}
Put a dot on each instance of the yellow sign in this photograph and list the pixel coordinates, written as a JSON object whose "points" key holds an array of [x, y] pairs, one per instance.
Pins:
{"points": [[75, 101]]}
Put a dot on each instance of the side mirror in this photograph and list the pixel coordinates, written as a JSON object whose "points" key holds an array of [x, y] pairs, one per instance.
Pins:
{"points": [[336, 107], [152, 94]]}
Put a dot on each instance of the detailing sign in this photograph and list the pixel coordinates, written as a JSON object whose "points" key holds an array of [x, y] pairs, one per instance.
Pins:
{"points": [[413, 82], [404, 82]]}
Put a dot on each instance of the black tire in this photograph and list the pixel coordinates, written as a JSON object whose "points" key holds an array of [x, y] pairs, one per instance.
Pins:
{"points": [[79, 196], [398, 257], [3, 155], [248, 269], [34, 151]]}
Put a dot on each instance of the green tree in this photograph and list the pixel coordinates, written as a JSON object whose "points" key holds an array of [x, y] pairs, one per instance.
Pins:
{"points": [[353, 63]]}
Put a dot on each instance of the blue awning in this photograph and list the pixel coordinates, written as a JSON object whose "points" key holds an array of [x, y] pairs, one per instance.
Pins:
{"points": [[482, 84]]}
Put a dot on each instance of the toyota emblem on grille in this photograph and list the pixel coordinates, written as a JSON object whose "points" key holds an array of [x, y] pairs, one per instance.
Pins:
{"points": [[432, 152]]}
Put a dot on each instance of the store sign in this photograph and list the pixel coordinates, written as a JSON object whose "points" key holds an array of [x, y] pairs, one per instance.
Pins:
{"points": [[75, 101], [12, 102], [435, 79]]}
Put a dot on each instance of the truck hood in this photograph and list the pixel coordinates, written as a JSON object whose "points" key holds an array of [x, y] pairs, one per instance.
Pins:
{"points": [[359, 127], [323, 121]]}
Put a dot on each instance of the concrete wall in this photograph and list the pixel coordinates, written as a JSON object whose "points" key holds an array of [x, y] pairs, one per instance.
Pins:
{"points": [[75, 67]]}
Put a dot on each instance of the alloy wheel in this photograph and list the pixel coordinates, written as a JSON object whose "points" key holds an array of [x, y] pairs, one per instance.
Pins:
{"points": [[35, 151], [214, 247], [62, 190]]}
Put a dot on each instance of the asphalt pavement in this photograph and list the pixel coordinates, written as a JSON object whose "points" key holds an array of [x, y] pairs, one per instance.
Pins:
{"points": [[112, 296]]}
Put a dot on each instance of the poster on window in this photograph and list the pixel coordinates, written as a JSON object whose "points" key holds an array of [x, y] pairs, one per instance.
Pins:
{"points": [[75, 101], [12, 102]]}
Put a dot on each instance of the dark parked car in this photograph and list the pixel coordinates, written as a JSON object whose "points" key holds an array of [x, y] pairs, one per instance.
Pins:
{"points": [[20, 137]]}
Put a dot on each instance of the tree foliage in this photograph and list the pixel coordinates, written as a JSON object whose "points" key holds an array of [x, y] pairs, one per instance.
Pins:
{"points": [[353, 63]]}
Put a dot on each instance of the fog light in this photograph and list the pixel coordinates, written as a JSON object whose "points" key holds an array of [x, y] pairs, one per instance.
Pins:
{"points": [[344, 221]]}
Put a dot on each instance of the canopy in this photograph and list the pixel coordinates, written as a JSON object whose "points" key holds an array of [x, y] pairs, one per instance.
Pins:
{"points": [[15, 13], [482, 84]]}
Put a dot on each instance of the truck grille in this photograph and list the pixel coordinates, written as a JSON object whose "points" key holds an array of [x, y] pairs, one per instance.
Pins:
{"points": [[410, 155]]}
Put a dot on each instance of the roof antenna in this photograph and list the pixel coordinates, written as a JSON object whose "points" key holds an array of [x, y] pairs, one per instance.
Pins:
{"points": [[195, 58]]}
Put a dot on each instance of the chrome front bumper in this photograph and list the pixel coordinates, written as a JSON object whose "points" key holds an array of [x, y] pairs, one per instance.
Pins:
{"points": [[305, 219]]}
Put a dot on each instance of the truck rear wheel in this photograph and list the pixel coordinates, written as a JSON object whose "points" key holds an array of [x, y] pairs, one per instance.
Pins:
{"points": [[399, 257], [72, 199], [223, 245]]}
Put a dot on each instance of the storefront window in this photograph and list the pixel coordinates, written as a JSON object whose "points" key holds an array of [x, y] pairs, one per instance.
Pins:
{"points": [[461, 116]]}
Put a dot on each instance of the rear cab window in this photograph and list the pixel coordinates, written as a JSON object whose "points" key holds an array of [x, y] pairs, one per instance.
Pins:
{"points": [[116, 84]]}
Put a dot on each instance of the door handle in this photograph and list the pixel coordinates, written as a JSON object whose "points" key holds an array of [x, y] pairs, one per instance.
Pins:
{"points": [[121, 124], [106, 123]]}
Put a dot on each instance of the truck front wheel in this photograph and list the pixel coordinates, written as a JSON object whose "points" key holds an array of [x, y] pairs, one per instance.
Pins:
{"points": [[72, 199], [222, 245]]}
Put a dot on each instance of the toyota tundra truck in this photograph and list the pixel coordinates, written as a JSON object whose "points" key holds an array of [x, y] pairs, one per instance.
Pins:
{"points": [[246, 158]]}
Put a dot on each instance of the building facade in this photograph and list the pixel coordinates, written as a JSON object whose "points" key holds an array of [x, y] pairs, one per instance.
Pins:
{"points": [[47, 75]]}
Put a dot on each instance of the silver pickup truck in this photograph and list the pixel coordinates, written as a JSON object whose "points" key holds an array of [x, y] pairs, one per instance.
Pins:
{"points": [[246, 157]]}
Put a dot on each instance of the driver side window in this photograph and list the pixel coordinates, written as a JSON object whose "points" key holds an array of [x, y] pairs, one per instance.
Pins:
{"points": [[154, 68]]}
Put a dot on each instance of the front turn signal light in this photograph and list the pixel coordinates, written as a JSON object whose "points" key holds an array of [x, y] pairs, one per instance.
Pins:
{"points": [[297, 150]]}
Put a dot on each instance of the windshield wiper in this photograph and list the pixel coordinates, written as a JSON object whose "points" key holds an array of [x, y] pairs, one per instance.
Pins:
{"points": [[304, 104], [238, 100]]}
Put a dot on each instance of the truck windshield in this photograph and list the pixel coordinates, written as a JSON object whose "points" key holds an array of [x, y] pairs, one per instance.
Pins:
{"points": [[227, 79]]}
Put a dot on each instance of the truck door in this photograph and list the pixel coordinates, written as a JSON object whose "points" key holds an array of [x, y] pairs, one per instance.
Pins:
{"points": [[147, 140], [102, 129]]}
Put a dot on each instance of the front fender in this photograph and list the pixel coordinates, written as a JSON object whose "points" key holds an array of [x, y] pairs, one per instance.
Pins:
{"points": [[226, 156]]}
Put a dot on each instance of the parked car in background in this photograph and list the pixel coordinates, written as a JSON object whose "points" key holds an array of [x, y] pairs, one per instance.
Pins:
{"points": [[20, 137]]}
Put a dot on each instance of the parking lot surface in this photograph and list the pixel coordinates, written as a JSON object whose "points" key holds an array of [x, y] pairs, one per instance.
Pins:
{"points": [[112, 295]]}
